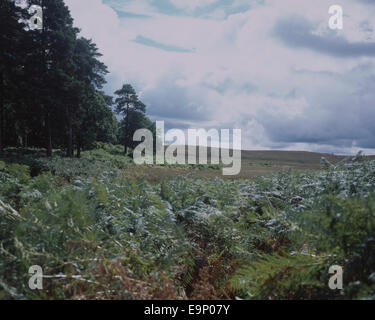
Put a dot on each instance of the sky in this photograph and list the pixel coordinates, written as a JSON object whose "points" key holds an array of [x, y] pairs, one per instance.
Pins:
{"points": [[272, 68]]}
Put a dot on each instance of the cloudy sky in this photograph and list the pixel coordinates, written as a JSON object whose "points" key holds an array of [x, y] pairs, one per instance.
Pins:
{"points": [[272, 68]]}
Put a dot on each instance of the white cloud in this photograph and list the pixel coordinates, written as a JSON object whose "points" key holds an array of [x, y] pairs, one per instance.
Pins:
{"points": [[240, 72]]}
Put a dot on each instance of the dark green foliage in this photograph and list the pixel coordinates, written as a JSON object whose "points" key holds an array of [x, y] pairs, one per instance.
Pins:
{"points": [[99, 235], [50, 82], [11, 59], [133, 110]]}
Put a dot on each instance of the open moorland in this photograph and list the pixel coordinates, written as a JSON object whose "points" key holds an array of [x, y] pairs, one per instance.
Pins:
{"points": [[102, 228]]}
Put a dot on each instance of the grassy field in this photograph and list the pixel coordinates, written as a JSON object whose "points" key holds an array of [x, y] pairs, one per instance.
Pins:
{"points": [[254, 164], [102, 228]]}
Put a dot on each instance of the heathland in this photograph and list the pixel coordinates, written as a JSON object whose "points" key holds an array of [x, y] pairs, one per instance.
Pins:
{"points": [[102, 228]]}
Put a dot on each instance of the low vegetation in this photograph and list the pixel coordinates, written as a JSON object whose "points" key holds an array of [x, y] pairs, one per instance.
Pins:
{"points": [[99, 234]]}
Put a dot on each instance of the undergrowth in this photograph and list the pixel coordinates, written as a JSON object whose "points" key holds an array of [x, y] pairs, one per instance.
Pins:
{"points": [[98, 235]]}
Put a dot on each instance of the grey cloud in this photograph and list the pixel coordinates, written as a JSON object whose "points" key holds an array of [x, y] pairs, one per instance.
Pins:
{"points": [[340, 118], [296, 32], [230, 85], [368, 1], [170, 101]]}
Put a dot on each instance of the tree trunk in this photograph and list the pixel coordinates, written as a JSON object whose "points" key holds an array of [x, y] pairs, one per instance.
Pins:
{"points": [[1, 113], [25, 144], [49, 135], [45, 106], [79, 147], [126, 129], [69, 152]]}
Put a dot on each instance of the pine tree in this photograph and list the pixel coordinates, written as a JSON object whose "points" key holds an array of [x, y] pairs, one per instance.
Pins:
{"points": [[89, 75], [56, 47], [50, 82], [127, 104], [12, 34]]}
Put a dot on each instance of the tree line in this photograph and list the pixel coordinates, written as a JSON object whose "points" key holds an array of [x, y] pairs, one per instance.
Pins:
{"points": [[51, 86]]}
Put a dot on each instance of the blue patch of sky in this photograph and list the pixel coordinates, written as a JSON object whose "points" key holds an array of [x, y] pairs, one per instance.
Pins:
{"points": [[152, 43], [228, 7], [166, 7], [124, 14]]}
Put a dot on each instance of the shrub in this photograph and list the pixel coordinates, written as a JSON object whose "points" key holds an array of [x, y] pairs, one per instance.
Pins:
{"points": [[98, 235]]}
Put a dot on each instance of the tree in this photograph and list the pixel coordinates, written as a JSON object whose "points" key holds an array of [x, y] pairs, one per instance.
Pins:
{"points": [[128, 104], [11, 55], [54, 46], [97, 121], [138, 120], [89, 73], [50, 82]]}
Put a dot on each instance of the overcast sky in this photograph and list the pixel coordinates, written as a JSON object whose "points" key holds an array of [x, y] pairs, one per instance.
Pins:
{"points": [[272, 68]]}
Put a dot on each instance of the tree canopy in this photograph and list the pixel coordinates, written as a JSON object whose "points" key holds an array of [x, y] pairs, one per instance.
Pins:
{"points": [[133, 111], [51, 85]]}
